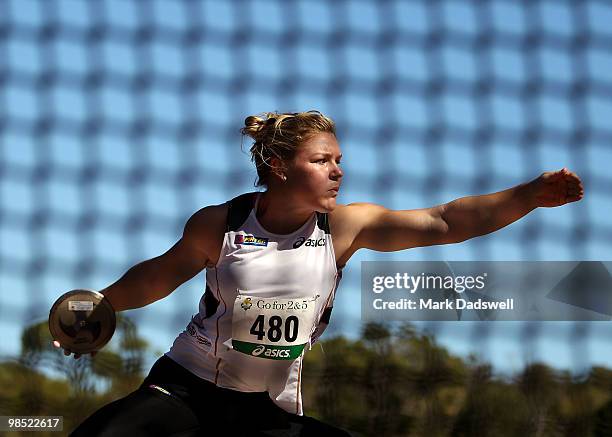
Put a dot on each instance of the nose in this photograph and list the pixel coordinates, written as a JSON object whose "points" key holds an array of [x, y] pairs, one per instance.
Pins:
{"points": [[336, 172]]}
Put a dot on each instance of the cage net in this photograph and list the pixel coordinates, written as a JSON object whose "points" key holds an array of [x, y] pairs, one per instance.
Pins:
{"points": [[119, 119]]}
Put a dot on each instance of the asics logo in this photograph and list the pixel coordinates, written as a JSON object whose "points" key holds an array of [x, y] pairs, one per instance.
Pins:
{"points": [[258, 350], [311, 242]]}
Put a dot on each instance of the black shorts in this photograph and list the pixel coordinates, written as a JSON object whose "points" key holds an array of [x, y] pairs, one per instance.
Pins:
{"points": [[174, 402]]}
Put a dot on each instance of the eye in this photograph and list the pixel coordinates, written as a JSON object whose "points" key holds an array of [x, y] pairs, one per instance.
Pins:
{"points": [[321, 161]]}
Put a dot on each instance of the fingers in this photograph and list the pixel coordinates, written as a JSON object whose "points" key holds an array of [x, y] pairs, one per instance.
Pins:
{"points": [[554, 176], [58, 345], [570, 175], [67, 352], [572, 190], [574, 184], [575, 189]]}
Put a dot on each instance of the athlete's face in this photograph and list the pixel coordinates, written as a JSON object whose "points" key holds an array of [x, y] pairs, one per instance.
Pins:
{"points": [[314, 175]]}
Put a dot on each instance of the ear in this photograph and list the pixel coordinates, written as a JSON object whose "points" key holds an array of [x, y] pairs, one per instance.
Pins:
{"points": [[278, 168]]}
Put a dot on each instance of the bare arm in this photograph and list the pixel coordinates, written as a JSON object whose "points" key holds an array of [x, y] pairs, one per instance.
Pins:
{"points": [[156, 278], [375, 227], [473, 216]]}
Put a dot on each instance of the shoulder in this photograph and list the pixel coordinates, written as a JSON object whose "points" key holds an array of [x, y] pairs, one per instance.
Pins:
{"points": [[356, 207], [346, 222], [354, 214], [205, 230], [207, 219], [216, 218]]}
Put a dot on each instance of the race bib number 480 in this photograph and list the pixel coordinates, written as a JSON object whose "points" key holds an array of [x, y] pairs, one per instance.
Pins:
{"points": [[272, 328]]}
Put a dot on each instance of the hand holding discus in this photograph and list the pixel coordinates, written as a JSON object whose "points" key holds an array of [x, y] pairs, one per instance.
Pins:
{"points": [[81, 322]]}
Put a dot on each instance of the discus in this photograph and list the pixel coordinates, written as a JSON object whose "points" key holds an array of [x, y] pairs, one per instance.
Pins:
{"points": [[83, 321]]}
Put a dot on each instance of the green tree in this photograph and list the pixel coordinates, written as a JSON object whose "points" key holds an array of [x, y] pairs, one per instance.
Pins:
{"points": [[43, 381], [388, 383]]}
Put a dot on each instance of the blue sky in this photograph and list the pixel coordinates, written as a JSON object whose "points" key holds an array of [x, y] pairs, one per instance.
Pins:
{"points": [[407, 115]]}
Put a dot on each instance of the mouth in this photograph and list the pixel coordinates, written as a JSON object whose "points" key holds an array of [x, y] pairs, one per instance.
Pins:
{"points": [[336, 189]]}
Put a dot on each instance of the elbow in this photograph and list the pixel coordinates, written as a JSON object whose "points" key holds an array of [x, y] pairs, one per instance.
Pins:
{"points": [[452, 237], [457, 226], [442, 229]]}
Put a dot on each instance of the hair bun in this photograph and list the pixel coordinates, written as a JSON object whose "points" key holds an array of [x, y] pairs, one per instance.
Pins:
{"points": [[254, 121], [253, 125]]}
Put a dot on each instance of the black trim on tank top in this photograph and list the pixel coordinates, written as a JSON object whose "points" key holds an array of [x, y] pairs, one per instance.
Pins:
{"points": [[238, 210], [326, 315], [323, 222], [210, 302]]}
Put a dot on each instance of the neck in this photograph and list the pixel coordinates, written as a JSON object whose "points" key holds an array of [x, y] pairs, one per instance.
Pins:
{"points": [[278, 213]]}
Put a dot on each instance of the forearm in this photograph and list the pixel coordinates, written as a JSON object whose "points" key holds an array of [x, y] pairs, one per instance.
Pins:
{"points": [[138, 287], [472, 216]]}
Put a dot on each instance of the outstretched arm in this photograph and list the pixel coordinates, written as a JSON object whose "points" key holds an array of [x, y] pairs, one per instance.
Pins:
{"points": [[470, 217], [375, 227]]}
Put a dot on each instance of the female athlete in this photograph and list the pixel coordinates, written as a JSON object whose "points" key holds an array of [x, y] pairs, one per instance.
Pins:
{"points": [[273, 261]]}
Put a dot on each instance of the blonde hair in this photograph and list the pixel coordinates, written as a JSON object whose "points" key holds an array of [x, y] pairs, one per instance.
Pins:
{"points": [[278, 135]]}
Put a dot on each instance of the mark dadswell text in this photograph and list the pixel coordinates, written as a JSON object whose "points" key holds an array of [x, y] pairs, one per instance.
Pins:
{"points": [[447, 304]]}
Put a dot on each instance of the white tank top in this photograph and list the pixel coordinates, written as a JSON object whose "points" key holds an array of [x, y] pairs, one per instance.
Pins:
{"points": [[261, 276]]}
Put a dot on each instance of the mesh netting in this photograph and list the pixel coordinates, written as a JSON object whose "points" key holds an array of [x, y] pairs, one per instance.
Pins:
{"points": [[120, 119]]}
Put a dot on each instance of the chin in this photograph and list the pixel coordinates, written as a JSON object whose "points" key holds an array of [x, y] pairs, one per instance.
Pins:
{"points": [[327, 205]]}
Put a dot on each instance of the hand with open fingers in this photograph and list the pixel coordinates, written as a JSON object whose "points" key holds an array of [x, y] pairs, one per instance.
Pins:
{"points": [[67, 352], [556, 188]]}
